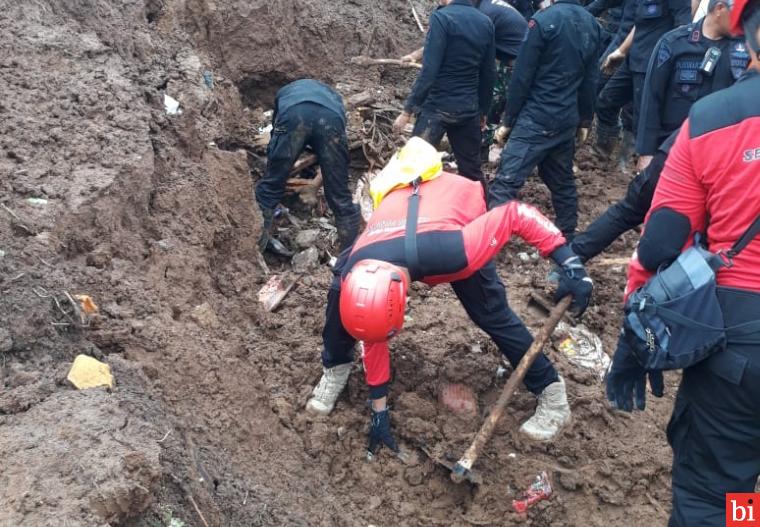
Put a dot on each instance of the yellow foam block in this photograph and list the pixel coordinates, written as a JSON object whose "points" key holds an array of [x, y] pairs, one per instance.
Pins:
{"points": [[87, 372]]}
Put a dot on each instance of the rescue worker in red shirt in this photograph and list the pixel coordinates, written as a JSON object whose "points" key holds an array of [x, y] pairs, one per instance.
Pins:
{"points": [[455, 240], [709, 185]]}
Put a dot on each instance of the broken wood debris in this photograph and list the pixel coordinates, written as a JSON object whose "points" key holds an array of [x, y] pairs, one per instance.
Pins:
{"points": [[362, 60]]}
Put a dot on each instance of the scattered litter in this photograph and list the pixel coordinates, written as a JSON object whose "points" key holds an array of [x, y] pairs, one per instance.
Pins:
{"points": [[363, 198], [512, 455], [333, 261], [276, 289], [494, 154], [87, 305], [306, 260], [524, 257], [171, 105], [2, 253], [501, 371], [540, 490], [87, 372], [208, 79], [36, 201], [307, 238], [583, 348]]}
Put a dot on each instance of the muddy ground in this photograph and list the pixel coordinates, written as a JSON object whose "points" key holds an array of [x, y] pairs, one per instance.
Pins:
{"points": [[152, 216]]}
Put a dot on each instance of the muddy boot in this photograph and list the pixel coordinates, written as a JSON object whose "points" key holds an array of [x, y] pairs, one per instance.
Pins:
{"points": [[348, 229], [606, 142], [269, 243], [327, 391], [627, 146], [552, 413]]}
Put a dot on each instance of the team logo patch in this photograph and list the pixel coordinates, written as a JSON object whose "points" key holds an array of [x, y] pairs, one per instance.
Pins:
{"points": [[663, 55]]}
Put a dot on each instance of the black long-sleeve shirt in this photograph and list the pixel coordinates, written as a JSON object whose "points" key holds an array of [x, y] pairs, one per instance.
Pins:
{"points": [[652, 19], [555, 75], [458, 66]]}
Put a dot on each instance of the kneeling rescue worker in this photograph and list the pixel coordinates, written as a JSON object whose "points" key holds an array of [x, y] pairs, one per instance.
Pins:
{"points": [[436, 232], [710, 185]]}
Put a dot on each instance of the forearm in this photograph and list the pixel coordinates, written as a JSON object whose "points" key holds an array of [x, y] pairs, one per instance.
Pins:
{"points": [[485, 236], [625, 47], [377, 368]]}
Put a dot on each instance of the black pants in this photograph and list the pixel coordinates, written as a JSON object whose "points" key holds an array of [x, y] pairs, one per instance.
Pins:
{"points": [[623, 88], [309, 124], [715, 427], [624, 215], [464, 136], [529, 146], [484, 297]]}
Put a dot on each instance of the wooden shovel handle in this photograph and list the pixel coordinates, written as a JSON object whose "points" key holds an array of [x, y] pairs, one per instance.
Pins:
{"points": [[486, 431]]}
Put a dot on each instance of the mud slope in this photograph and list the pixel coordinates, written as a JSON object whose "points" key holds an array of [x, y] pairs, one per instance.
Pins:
{"points": [[104, 193]]}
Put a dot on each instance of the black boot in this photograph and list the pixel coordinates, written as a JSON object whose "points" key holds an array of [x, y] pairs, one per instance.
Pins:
{"points": [[606, 142], [627, 146], [348, 229], [267, 242]]}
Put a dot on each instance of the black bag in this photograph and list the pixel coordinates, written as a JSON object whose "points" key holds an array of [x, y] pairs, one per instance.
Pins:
{"points": [[674, 320]]}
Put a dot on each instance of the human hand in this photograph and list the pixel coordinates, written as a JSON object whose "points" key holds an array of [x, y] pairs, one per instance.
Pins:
{"points": [[400, 123]]}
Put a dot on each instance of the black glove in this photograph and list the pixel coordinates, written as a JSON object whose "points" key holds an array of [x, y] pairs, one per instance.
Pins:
{"points": [[380, 433], [574, 281], [627, 379]]}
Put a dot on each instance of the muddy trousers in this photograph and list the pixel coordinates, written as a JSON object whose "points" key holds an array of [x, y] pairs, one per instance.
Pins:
{"points": [[484, 297], [715, 427], [530, 146], [621, 89], [626, 214], [464, 136], [313, 125]]}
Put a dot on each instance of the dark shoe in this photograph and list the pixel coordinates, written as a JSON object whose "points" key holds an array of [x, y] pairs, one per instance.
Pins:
{"points": [[266, 241], [278, 248]]}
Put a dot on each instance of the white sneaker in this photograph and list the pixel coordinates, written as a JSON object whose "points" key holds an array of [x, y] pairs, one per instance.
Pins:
{"points": [[327, 391], [552, 413]]}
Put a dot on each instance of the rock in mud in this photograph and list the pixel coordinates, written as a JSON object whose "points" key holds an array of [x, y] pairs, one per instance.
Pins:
{"points": [[6, 342], [307, 238], [306, 260]]}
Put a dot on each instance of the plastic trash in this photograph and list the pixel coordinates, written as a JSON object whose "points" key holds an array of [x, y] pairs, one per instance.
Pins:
{"points": [[36, 201], [540, 489], [87, 372], [208, 79], [171, 105], [583, 348]]}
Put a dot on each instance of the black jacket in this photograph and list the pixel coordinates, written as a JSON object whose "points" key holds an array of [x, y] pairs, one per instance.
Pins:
{"points": [[674, 81], [509, 27], [652, 19], [554, 78], [308, 90], [458, 65]]}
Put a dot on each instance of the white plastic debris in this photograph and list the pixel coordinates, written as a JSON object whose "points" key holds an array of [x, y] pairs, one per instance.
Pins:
{"points": [[171, 105], [494, 154], [265, 129], [524, 257], [583, 348], [36, 201]]}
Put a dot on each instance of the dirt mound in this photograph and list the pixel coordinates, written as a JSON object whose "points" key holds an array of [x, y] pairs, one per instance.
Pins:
{"points": [[104, 193]]}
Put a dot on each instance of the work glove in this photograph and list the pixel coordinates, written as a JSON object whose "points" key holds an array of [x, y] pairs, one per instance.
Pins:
{"points": [[380, 434], [581, 135], [501, 134], [612, 61], [574, 281], [627, 379], [400, 123]]}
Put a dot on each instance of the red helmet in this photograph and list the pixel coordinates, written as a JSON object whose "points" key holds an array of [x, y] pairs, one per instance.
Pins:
{"points": [[739, 17], [372, 300]]}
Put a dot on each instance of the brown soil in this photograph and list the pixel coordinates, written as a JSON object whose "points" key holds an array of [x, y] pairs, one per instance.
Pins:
{"points": [[152, 215]]}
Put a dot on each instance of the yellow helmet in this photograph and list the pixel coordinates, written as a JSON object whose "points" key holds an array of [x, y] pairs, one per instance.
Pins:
{"points": [[417, 159]]}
